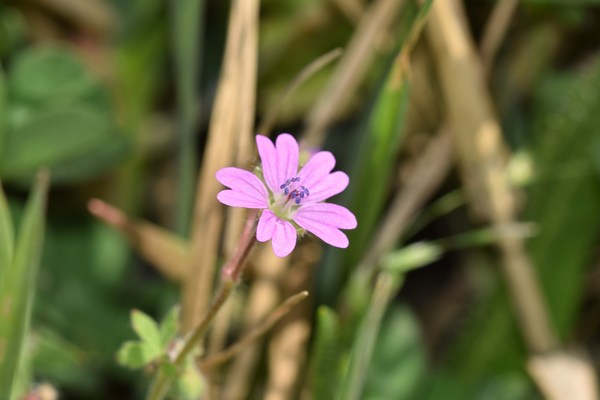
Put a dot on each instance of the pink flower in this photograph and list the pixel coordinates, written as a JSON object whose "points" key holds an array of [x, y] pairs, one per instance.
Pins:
{"points": [[292, 201]]}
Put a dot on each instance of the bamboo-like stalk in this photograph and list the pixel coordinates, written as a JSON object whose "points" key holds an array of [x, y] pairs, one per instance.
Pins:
{"points": [[481, 152], [255, 333], [231, 124], [352, 68], [495, 31]]}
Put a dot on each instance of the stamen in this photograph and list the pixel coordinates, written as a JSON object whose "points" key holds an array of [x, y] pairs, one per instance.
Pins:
{"points": [[294, 192]]}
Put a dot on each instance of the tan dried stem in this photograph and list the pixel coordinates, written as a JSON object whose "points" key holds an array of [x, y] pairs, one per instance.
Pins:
{"points": [[94, 16], [230, 132], [165, 251], [277, 314], [309, 71], [264, 294], [375, 23], [430, 170], [288, 345], [481, 151], [495, 31]]}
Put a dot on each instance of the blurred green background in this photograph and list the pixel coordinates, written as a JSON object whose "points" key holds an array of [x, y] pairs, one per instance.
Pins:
{"points": [[90, 89]]}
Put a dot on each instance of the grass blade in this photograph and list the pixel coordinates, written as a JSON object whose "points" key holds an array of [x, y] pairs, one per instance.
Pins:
{"points": [[17, 290]]}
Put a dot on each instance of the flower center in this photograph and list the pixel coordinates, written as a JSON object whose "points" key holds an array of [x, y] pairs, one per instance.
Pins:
{"points": [[294, 191], [290, 198]]}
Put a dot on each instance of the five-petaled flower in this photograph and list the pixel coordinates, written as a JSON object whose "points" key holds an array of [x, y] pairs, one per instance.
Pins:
{"points": [[291, 200]]}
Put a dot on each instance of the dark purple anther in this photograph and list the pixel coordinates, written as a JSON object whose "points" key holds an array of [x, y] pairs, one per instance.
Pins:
{"points": [[297, 200], [286, 191]]}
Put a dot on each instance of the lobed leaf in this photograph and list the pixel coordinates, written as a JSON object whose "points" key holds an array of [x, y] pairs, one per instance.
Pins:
{"points": [[147, 330]]}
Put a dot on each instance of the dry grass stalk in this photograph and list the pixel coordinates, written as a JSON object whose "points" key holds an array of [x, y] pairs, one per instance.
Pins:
{"points": [[162, 249], [549, 372], [429, 172], [288, 346], [352, 68], [230, 129], [264, 295], [94, 16], [495, 31], [311, 69], [255, 333], [352, 9], [482, 154]]}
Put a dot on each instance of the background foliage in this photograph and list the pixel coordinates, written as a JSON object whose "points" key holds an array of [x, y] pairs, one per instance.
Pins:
{"points": [[115, 97]]}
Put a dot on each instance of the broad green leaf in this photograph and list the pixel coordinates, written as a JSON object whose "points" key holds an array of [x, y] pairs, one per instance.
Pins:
{"points": [[18, 287], [325, 355], [48, 75], [53, 138], [169, 327], [113, 150], [135, 355], [147, 330], [399, 363]]}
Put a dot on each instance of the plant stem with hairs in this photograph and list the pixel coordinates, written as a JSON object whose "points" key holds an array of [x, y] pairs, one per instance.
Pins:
{"points": [[230, 276]]}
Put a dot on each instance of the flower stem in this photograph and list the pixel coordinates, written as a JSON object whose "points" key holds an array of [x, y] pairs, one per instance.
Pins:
{"points": [[230, 276]]}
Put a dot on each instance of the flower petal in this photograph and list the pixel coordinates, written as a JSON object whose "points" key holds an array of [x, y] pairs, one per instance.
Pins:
{"points": [[316, 169], [287, 157], [324, 221], [327, 214], [233, 198], [331, 185], [266, 226], [268, 157], [244, 182], [284, 238]]}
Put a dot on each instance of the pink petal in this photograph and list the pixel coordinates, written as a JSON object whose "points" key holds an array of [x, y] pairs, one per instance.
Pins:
{"points": [[287, 157], [246, 188], [331, 185], [266, 226], [316, 169], [284, 238], [324, 219], [327, 214], [268, 157], [233, 198]]}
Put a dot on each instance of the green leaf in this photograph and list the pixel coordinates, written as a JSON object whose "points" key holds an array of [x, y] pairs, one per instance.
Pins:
{"points": [[410, 257], [399, 361], [18, 286], [52, 138], [147, 330], [6, 237], [365, 340], [135, 355], [325, 355], [3, 108], [169, 327], [190, 384], [48, 75]]}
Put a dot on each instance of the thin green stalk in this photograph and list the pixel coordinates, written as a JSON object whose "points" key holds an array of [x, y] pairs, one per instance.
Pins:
{"points": [[386, 286]]}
